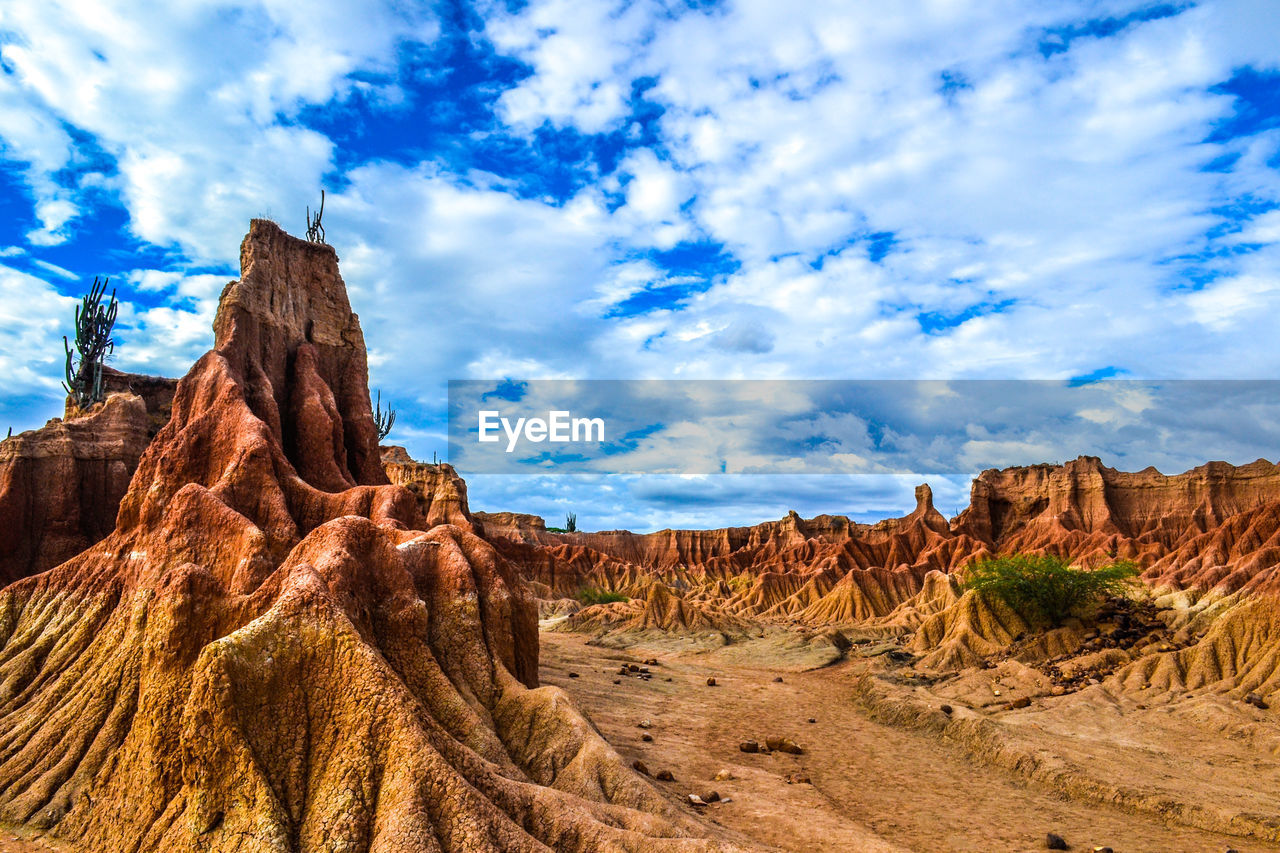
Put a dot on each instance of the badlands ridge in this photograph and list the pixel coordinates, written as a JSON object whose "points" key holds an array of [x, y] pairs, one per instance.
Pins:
{"points": [[234, 623]]}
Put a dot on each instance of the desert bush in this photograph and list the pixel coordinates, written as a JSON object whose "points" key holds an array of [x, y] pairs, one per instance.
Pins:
{"points": [[590, 595], [1042, 587]]}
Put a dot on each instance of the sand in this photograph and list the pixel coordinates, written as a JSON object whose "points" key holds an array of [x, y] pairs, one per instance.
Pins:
{"points": [[874, 787]]}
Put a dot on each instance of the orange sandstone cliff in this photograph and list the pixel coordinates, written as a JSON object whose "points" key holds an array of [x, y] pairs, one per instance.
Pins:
{"points": [[267, 652], [61, 485]]}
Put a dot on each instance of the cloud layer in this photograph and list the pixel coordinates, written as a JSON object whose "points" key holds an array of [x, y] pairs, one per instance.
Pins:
{"points": [[645, 189]]}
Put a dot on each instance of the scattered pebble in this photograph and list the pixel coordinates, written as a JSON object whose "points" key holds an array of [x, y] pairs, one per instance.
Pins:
{"points": [[777, 679], [749, 746], [695, 800], [1257, 701], [784, 744], [1021, 702], [798, 779], [711, 681], [1103, 850], [617, 681], [665, 776], [1055, 842], [723, 776], [711, 797], [573, 675], [644, 724], [647, 738], [813, 719], [946, 709], [639, 767]]}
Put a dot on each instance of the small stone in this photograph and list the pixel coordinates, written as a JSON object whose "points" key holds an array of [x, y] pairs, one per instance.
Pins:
{"points": [[749, 746], [723, 776], [639, 767], [798, 779], [711, 797], [711, 681], [695, 800], [633, 667], [651, 662], [1257, 701], [573, 675], [1021, 702], [777, 679], [1055, 842], [644, 724], [617, 681], [946, 709], [784, 744], [668, 678], [647, 738], [1103, 850], [622, 671], [813, 719], [665, 776]]}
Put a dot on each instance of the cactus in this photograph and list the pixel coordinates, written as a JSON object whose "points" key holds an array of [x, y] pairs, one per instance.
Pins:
{"points": [[571, 523], [315, 231], [93, 344], [383, 420]]}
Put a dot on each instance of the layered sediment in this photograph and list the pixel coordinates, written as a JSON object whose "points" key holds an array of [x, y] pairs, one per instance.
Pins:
{"points": [[269, 652]]}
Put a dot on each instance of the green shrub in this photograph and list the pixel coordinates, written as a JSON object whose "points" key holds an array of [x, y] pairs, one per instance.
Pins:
{"points": [[1042, 587], [590, 595]]}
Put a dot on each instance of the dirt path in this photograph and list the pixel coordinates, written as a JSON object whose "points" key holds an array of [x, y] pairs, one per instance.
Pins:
{"points": [[873, 787]]}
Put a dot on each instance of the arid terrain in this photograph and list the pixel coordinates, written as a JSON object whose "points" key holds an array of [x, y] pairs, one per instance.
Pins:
{"points": [[234, 622]]}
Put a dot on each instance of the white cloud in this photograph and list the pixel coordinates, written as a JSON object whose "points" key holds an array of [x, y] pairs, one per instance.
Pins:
{"points": [[33, 319], [193, 100]]}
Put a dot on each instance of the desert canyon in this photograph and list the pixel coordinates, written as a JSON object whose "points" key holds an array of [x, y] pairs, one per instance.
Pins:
{"points": [[233, 622]]}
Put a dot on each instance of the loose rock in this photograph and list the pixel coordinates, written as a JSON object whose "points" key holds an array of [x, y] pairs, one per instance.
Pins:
{"points": [[711, 681], [749, 746], [784, 744], [665, 776], [1055, 842]]}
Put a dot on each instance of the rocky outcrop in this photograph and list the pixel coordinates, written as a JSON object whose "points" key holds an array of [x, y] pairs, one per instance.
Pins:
{"points": [[265, 655], [61, 485], [440, 493]]}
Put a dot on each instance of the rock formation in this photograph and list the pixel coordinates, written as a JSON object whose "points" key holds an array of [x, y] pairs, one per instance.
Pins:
{"points": [[61, 485], [265, 655], [440, 493], [1207, 539]]}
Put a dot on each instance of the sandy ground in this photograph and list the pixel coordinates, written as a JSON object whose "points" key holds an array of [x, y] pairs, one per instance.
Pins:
{"points": [[874, 787]]}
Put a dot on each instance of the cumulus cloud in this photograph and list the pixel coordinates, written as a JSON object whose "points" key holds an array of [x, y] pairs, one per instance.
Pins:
{"points": [[656, 189], [191, 104]]}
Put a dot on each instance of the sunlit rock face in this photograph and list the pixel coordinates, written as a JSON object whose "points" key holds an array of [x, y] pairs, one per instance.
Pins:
{"points": [[265, 654]]}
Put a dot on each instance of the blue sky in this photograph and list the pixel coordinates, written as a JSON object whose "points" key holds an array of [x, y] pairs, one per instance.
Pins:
{"points": [[571, 189]]}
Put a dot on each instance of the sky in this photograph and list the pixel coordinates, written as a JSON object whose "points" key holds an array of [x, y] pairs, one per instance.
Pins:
{"points": [[586, 189]]}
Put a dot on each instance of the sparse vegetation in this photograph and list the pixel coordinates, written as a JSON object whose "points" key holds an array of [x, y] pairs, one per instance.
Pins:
{"points": [[591, 595], [1045, 588], [315, 231], [571, 523], [94, 343], [384, 421]]}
